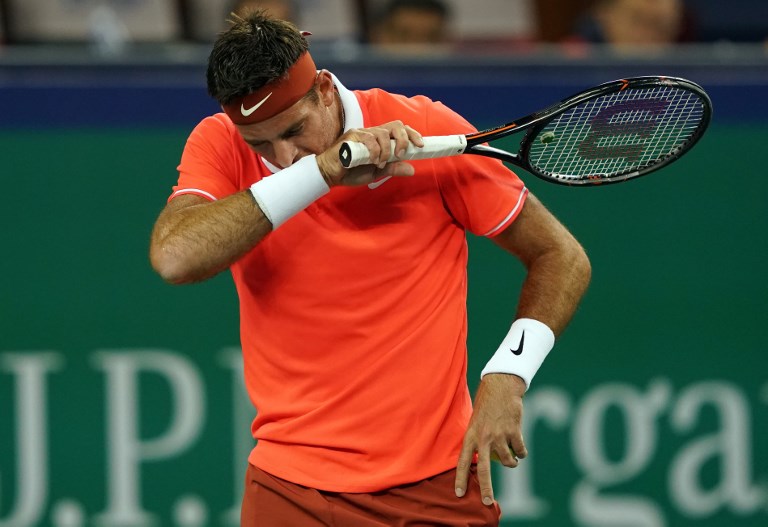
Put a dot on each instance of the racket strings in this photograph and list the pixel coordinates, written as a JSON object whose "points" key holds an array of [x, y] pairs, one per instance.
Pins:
{"points": [[617, 134]]}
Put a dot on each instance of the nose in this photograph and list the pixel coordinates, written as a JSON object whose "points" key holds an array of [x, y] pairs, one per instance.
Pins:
{"points": [[285, 153]]}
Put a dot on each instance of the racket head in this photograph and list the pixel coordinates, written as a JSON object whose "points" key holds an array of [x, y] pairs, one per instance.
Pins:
{"points": [[616, 131]]}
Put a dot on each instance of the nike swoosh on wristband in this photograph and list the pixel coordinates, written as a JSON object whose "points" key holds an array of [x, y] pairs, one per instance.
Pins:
{"points": [[377, 184], [255, 107], [519, 349]]}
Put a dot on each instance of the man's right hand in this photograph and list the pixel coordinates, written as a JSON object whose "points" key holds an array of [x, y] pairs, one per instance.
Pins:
{"points": [[378, 141]]}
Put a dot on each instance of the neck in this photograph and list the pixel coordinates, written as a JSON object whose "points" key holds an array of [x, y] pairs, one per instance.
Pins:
{"points": [[342, 117]]}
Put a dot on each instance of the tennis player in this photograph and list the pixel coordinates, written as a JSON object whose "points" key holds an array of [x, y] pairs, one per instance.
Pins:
{"points": [[352, 287]]}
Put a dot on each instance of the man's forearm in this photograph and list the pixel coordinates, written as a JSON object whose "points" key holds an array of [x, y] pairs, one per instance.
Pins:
{"points": [[554, 285], [195, 242]]}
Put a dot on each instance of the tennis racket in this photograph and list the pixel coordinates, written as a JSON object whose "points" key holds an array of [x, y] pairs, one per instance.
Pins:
{"points": [[613, 132]]}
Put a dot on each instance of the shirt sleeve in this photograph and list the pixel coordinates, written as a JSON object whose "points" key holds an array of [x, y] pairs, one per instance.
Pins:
{"points": [[208, 167], [480, 193]]}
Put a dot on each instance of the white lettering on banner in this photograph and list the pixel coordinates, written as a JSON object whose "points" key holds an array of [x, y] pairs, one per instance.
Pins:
{"points": [[731, 445], [546, 405], [590, 507], [30, 370], [126, 450], [639, 412], [707, 467], [232, 359], [593, 504]]}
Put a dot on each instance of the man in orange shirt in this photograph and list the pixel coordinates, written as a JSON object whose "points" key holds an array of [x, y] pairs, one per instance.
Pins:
{"points": [[352, 288]]}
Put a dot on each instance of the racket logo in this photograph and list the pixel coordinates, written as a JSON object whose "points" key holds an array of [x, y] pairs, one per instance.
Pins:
{"points": [[604, 127], [519, 349]]}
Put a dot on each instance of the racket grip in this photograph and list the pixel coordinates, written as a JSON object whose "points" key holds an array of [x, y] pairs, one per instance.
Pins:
{"points": [[353, 154]]}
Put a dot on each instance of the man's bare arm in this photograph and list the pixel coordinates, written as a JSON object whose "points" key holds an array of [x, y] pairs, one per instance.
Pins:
{"points": [[558, 268], [195, 239], [558, 275]]}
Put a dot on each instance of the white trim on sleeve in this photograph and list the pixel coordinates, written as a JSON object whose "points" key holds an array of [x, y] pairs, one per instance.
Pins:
{"points": [[514, 211], [194, 191]]}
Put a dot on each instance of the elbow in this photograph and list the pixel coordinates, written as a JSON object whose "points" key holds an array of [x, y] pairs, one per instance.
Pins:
{"points": [[171, 268], [581, 265]]}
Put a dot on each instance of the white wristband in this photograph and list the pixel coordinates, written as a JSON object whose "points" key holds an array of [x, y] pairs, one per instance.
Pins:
{"points": [[289, 191], [523, 350]]}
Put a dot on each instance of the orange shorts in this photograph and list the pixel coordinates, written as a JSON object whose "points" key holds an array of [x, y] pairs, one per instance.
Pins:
{"points": [[273, 502]]}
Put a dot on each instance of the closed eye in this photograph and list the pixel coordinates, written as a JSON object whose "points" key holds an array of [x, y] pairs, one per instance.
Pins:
{"points": [[293, 132]]}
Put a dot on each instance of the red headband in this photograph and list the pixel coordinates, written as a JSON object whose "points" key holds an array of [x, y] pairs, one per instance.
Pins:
{"points": [[276, 96]]}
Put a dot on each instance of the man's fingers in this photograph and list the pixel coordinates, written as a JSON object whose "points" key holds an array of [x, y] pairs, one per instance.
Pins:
{"points": [[400, 136], [385, 141], [518, 446], [381, 142], [384, 138], [484, 475], [505, 455], [376, 140], [397, 168], [414, 136], [462, 468]]}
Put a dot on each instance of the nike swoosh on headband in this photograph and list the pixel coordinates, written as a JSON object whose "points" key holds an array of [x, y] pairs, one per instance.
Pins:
{"points": [[255, 107]]}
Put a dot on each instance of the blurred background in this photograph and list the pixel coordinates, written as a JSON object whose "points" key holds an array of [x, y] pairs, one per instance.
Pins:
{"points": [[121, 402]]}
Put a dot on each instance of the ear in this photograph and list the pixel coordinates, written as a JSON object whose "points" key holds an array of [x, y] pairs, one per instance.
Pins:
{"points": [[325, 87]]}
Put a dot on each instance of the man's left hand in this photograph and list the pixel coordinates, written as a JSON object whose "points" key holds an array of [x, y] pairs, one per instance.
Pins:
{"points": [[494, 431]]}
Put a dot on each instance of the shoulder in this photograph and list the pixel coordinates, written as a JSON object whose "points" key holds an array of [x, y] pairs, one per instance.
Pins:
{"points": [[421, 112], [217, 136], [377, 100], [216, 147], [217, 127]]}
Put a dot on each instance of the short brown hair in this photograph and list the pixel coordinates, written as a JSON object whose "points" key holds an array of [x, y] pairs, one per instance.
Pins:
{"points": [[254, 51]]}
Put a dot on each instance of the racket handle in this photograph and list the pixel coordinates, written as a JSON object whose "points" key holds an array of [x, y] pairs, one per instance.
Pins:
{"points": [[352, 153]]}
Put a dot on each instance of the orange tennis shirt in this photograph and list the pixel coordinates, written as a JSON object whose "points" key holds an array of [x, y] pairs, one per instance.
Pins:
{"points": [[353, 312]]}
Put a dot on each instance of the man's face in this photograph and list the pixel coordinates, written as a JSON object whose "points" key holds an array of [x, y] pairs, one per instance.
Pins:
{"points": [[308, 127]]}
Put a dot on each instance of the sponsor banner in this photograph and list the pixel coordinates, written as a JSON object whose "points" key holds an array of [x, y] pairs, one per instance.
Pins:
{"points": [[121, 400]]}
